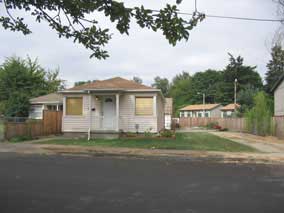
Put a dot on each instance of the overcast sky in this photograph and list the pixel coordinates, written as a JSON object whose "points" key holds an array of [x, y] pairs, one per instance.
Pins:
{"points": [[147, 54]]}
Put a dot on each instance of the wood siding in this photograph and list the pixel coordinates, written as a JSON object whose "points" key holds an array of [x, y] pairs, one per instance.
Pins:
{"points": [[127, 117], [279, 100]]}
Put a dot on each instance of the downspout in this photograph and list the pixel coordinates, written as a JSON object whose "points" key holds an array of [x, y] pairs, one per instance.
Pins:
{"points": [[90, 115]]}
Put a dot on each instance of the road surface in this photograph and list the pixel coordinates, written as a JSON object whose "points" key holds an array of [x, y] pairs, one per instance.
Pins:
{"points": [[53, 183]]}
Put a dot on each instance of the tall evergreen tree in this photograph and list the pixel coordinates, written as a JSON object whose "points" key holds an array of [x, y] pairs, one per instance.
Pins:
{"points": [[275, 67], [162, 84]]}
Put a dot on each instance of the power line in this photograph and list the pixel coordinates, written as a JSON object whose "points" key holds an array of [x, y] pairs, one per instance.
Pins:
{"points": [[230, 17]]}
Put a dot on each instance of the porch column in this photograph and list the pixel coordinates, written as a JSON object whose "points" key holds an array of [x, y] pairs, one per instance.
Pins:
{"points": [[90, 115], [117, 112]]}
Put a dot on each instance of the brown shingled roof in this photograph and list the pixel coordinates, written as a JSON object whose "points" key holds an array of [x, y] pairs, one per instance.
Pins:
{"points": [[50, 98], [112, 83], [230, 107], [198, 107]]}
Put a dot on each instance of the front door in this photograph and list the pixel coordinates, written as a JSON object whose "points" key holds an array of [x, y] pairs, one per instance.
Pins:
{"points": [[109, 118]]}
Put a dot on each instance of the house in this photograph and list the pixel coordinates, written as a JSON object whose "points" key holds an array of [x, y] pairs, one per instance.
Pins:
{"points": [[110, 106], [278, 90], [168, 112], [53, 101], [201, 110], [228, 110]]}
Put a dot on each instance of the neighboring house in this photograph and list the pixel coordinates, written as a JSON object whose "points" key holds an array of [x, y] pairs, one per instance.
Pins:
{"points": [[53, 101], [111, 106], [168, 113], [278, 90], [228, 110], [201, 110]]}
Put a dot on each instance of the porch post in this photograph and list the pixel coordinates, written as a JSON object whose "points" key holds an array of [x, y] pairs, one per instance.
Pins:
{"points": [[117, 111], [90, 115]]}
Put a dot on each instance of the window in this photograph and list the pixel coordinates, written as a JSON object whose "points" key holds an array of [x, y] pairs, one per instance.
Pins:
{"points": [[51, 107], [181, 114], [74, 106], [144, 105], [206, 114]]}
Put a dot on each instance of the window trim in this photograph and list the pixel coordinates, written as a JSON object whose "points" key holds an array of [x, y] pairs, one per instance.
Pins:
{"points": [[65, 110], [153, 104]]}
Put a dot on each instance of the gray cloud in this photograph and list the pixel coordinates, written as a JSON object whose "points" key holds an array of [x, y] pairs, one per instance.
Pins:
{"points": [[148, 54]]}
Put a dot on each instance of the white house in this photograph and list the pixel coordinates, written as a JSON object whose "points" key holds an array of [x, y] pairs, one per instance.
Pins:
{"points": [[229, 110], [53, 101], [278, 90], [201, 110], [111, 106]]}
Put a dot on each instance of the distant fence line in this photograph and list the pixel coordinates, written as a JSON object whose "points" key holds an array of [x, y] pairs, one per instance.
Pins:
{"points": [[233, 124], [49, 125]]}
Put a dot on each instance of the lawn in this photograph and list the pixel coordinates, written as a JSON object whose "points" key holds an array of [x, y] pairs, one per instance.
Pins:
{"points": [[183, 141]]}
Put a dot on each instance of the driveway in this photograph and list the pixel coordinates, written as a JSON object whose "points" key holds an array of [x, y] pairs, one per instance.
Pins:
{"points": [[263, 144], [52, 183]]}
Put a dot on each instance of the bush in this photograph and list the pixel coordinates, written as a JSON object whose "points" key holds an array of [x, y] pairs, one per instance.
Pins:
{"points": [[148, 133], [17, 139], [259, 118], [211, 125], [167, 133]]}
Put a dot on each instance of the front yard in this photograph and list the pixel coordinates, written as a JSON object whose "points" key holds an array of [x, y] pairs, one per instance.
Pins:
{"points": [[183, 141]]}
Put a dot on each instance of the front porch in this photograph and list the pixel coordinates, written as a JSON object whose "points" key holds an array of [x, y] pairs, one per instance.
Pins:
{"points": [[104, 113]]}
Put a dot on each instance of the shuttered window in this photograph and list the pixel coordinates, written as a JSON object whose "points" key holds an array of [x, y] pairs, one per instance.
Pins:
{"points": [[144, 105], [74, 106]]}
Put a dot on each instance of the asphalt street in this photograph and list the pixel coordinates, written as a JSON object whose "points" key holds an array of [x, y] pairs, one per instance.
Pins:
{"points": [[53, 183]]}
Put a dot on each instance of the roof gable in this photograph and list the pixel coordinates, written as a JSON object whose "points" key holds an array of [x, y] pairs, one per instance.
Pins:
{"points": [[279, 81], [49, 98], [197, 107], [230, 107]]}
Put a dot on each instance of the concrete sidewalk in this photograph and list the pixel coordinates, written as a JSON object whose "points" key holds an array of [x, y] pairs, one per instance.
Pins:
{"points": [[263, 144]]}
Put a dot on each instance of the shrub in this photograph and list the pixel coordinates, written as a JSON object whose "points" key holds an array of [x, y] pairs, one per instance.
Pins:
{"points": [[259, 119], [148, 133], [211, 125], [167, 133]]}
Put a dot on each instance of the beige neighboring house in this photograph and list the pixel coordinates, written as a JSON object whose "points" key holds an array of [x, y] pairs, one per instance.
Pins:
{"points": [[53, 101], [201, 110], [228, 110], [278, 90], [168, 113], [110, 106]]}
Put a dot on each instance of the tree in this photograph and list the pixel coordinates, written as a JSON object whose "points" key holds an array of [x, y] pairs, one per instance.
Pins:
{"points": [[246, 76], [22, 79], [204, 82], [245, 98], [259, 118], [78, 83], [275, 68], [162, 84], [137, 80], [179, 88], [69, 18]]}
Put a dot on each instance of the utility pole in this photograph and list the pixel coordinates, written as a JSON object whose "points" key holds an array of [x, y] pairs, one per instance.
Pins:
{"points": [[203, 94], [235, 98]]}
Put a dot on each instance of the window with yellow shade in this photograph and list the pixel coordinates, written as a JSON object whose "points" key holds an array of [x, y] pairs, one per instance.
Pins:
{"points": [[143, 105], [74, 106]]}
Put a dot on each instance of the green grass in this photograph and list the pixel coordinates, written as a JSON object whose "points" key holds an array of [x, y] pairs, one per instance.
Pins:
{"points": [[184, 141]]}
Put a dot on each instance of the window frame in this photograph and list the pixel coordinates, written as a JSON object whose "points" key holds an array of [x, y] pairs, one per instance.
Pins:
{"points": [[66, 106], [135, 111]]}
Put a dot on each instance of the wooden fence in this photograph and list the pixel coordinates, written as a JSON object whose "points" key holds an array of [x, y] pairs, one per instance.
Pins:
{"points": [[49, 125], [233, 124]]}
